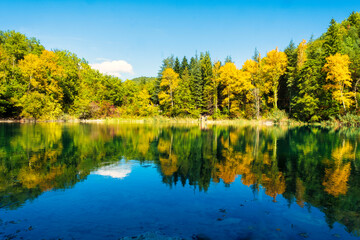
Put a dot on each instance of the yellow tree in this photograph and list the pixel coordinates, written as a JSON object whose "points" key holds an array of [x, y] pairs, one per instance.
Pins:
{"points": [[168, 159], [301, 54], [215, 82], [254, 68], [43, 92], [237, 87], [169, 83], [146, 108], [339, 76], [274, 67], [337, 174], [43, 72]]}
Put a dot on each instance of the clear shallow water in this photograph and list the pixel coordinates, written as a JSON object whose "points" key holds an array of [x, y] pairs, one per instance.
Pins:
{"points": [[99, 181]]}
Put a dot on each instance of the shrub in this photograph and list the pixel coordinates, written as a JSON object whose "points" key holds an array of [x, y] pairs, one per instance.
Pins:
{"points": [[277, 116]]}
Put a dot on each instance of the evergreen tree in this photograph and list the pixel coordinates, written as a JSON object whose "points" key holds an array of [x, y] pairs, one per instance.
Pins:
{"points": [[354, 19], [196, 83], [228, 59], [287, 83], [306, 103], [207, 77], [177, 66], [333, 39], [184, 65], [183, 99]]}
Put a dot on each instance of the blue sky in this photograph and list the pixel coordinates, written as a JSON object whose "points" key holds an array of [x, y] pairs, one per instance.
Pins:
{"points": [[139, 34]]}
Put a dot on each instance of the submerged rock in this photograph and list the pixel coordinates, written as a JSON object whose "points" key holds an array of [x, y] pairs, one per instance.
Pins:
{"points": [[146, 166], [222, 210], [303, 234], [151, 236], [201, 237]]}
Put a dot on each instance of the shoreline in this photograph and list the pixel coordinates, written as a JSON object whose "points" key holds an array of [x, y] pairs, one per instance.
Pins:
{"points": [[165, 120]]}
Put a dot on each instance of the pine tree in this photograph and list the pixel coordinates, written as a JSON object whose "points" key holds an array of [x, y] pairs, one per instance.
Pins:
{"points": [[333, 39], [177, 66], [184, 65], [215, 81], [228, 59], [354, 19], [196, 83], [306, 103], [290, 74], [207, 76], [183, 99]]}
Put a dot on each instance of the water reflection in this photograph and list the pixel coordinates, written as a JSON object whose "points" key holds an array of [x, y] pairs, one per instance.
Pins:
{"points": [[314, 166], [118, 171]]}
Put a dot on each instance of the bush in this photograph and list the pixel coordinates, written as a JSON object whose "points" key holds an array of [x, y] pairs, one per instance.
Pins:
{"points": [[277, 116], [350, 120]]}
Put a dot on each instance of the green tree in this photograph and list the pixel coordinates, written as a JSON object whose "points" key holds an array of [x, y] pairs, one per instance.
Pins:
{"points": [[70, 82], [333, 39], [184, 65], [207, 79], [183, 99], [196, 83], [177, 65], [306, 104], [291, 74]]}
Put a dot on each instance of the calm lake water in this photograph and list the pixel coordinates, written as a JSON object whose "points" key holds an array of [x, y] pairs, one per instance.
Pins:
{"points": [[107, 181]]}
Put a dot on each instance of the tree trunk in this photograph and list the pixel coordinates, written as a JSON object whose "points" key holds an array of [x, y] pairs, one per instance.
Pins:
{"points": [[229, 100], [172, 102], [29, 83], [275, 98], [216, 100], [257, 102], [356, 102], [290, 102], [342, 98]]}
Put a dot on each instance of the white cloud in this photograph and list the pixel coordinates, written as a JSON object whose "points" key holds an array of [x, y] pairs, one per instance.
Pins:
{"points": [[114, 68], [115, 171], [102, 59]]}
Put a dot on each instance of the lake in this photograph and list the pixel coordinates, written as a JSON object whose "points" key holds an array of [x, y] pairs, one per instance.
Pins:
{"points": [[108, 181]]}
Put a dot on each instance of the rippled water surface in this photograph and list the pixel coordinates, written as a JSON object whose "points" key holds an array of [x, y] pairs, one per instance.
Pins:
{"points": [[108, 181]]}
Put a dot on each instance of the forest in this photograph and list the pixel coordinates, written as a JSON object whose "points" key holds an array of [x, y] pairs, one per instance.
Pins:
{"points": [[313, 81]]}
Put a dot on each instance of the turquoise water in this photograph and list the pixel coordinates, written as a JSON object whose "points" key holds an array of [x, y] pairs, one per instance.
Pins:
{"points": [[107, 181]]}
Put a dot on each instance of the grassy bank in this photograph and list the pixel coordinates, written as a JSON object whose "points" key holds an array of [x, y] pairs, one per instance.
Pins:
{"points": [[198, 121], [167, 120]]}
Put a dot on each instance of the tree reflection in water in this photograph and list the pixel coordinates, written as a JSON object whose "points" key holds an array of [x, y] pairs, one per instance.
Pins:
{"points": [[316, 166]]}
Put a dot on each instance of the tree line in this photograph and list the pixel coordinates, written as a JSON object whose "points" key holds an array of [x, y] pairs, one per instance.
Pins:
{"points": [[313, 81]]}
